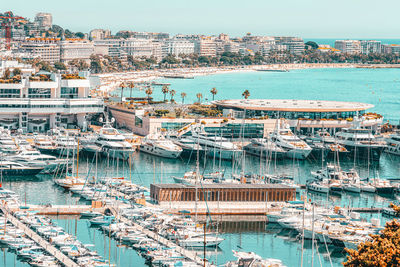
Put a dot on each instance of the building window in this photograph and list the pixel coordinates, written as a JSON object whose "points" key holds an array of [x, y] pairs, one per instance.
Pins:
{"points": [[69, 92], [10, 93], [39, 93]]}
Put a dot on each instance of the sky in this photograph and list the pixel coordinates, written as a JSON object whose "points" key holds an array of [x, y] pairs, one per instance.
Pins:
{"points": [[302, 18]]}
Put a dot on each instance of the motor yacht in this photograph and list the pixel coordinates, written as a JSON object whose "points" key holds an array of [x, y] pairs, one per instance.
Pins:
{"points": [[286, 139], [361, 143], [113, 144], [216, 146], [261, 147], [252, 259], [34, 158], [10, 168], [393, 144], [66, 145], [189, 147], [45, 145], [158, 145]]}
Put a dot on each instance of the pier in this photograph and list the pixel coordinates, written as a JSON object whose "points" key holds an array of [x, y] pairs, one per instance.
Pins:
{"points": [[38, 239], [188, 254], [368, 210], [58, 209]]}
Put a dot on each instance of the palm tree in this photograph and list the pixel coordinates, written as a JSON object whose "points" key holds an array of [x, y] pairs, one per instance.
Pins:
{"points": [[148, 91], [214, 91], [199, 96], [122, 85], [246, 94], [165, 90], [131, 85], [183, 95], [172, 93]]}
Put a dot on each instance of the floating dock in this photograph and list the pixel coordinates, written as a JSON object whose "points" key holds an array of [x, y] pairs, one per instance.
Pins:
{"points": [[38, 239]]}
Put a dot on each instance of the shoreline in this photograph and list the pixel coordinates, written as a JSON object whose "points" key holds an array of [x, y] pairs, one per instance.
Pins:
{"points": [[110, 81]]}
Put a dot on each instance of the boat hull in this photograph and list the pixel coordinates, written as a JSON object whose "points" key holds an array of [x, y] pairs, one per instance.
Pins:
{"points": [[153, 150]]}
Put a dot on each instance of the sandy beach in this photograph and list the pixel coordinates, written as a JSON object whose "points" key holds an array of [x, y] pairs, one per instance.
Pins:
{"points": [[111, 81]]}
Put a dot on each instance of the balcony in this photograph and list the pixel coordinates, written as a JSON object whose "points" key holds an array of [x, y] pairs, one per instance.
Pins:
{"points": [[51, 106]]}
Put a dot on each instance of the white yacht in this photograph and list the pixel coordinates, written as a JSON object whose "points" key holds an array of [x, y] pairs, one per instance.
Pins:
{"points": [[113, 143], [66, 145], [216, 146], [34, 158], [45, 145], [393, 144], [252, 259], [157, 145], [286, 139], [361, 143], [8, 145], [262, 147], [198, 240]]}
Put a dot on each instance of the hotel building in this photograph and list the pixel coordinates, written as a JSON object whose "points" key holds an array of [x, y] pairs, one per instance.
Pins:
{"points": [[45, 101], [348, 46], [371, 46], [47, 49]]}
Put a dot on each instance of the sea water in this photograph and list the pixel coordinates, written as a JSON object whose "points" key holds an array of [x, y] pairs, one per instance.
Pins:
{"points": [[379, 87]]}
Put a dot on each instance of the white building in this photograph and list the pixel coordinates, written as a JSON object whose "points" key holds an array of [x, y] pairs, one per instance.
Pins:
{"points": [[40, 103], [71, 49], [371, 46], [294, 45], [348, 46], [205, 46], [177, 47], [141, 47], [98, 34], [47, 49], [44, 20]]}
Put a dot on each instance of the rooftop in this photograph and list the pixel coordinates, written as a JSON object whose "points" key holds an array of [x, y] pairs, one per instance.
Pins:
{"points": [[292, 105], [223, 186]]}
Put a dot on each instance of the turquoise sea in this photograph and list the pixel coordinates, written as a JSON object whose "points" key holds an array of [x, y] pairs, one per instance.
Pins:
{"points": [[378, 87]]}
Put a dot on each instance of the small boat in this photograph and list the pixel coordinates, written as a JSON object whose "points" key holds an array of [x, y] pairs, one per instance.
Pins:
{"points": [[101, 220], [90, 214]]}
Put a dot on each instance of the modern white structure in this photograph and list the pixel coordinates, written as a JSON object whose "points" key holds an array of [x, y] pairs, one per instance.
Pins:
{"points": [[348, 46], [47, 49], [39, 103], [177, 47], [79, 49], [371, 46]]}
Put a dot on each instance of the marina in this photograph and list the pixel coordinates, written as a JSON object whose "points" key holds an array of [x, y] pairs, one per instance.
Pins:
{"points": [[188, 193]]}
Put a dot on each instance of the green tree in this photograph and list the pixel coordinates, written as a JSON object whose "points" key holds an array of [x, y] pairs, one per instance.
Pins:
{"points": [[183, 95], [17, 71], [80, 35], [165, 91], [246, 94], [122, 86], [199, 97], [311, 45], [172, 93], [131, 85], [213, 91], [60, 66], [7, 74], [149, 92]]}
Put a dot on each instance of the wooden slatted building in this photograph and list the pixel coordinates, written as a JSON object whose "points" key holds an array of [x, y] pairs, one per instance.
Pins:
{"points": [[222, 192]]}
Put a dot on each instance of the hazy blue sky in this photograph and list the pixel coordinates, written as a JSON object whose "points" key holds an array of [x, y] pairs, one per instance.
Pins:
{"points": [[304, 18]]}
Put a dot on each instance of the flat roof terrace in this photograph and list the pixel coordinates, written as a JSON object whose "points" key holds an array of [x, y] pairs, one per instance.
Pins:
{"points": [[292, 105]]}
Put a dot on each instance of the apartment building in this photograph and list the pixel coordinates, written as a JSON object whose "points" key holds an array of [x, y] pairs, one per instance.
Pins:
{"points": [[80, 49], [44, 21], [205, 46], [370, 46], [348, 46], [294, 45], [47, 49], [98, 34], [391, 49], [176, 47]]}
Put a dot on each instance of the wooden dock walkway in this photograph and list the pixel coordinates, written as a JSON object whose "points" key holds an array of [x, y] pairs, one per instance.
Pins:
{"points": [[38, 239], [188, 254], [370, 210]]}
